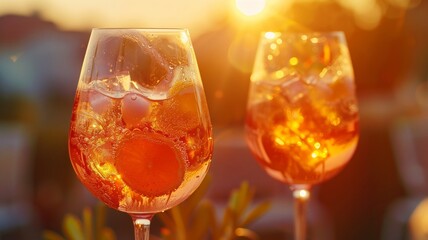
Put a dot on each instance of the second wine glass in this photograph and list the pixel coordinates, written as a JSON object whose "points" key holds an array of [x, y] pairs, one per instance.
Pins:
{"points": [[302, 113], [140, 135]]}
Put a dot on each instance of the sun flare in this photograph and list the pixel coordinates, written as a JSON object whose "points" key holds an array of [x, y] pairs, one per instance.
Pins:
{"points": [[250, 7]]}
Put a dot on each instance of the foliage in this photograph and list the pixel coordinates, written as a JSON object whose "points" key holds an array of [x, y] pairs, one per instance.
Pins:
{"points": [[196, 218], [90, 227]]}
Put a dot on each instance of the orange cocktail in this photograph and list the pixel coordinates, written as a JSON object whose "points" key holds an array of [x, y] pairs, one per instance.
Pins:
{"points": [[305, 140], [302, 111], [140, 136]]}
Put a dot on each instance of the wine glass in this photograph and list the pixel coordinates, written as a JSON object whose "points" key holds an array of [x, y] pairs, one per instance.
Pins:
{"points": [[302, 113], [140, 137]]}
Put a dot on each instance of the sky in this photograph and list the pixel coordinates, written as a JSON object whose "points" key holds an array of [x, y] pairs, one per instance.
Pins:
{"points": [[85, 14], [196, 15]]}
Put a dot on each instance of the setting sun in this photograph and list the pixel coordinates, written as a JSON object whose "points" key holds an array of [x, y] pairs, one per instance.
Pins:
{"points": [[250, 7]]}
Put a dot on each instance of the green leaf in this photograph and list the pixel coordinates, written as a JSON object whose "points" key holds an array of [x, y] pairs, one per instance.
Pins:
{"points": [[100, 218], [72, 228], [192, 202], [199, 223], [233, 200], [87, 223], [195, 218], [228, 224], [50, 235], [107, 234], [180, 225], [245, 196], [256, 213], [212, 217]]}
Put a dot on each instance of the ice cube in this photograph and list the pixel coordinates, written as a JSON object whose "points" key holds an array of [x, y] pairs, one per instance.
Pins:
{"points": [[167, 88], [98, 102], [340, 67], [166, 61], [173, 49], [115, 87], [293, 88], [134, 108], [131, 61], [144, 61]]}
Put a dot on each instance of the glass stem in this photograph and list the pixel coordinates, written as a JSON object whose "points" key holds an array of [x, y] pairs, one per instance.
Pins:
{"points": [[141, 226], [301, 196]]}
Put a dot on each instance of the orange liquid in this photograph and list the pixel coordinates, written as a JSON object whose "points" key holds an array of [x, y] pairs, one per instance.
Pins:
{"points": [[137, 154], [304, 140]]}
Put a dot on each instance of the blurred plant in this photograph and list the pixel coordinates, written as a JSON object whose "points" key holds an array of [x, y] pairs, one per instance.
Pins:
{"points": [[88, 228], [196, 218]]}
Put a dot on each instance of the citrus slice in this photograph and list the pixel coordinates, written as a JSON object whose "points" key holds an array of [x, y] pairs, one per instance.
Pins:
{"points": [[150, 164]]}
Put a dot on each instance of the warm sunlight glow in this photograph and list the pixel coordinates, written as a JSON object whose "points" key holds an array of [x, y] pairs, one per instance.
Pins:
{"points": [[250, 7], [84, 15], [270, 35]]}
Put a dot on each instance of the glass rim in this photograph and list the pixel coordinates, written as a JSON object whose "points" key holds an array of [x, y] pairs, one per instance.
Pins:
{"points": [[305, 32], [277, 34], [144, 29]]}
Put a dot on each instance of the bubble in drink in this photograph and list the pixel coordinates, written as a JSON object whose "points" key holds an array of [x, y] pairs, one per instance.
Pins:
{"points": [[176, 115], [89, 124]]}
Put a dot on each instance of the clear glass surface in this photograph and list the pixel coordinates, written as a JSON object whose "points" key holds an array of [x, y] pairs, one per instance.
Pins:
{"points": [[302, 113], [140, 136]]}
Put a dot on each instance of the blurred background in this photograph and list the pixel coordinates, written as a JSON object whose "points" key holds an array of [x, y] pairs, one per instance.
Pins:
{"points": [[380, 194]]}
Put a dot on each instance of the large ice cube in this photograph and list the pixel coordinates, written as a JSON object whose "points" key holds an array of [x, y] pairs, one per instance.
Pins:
{"points": [[132, 61], [167, 89], [174, 50]]}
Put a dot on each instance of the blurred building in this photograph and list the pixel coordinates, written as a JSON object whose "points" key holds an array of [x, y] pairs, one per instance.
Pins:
{"points": [[39, 69]]}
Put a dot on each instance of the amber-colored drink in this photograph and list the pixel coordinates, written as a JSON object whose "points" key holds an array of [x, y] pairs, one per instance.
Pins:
{"points": [[304, 142], [302, 112], [302, 115], [133, 153], [140, 136]]}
